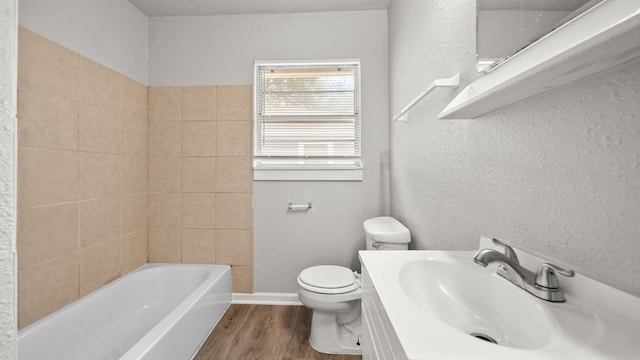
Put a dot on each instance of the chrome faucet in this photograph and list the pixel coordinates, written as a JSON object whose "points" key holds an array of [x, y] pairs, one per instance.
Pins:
{"points": [[543, 284]]}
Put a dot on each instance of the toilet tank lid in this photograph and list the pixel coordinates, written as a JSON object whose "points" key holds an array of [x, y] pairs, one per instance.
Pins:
{"points": [[387, 229]]}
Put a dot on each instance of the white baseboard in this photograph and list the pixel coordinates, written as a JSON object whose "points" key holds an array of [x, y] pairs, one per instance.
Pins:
{"points": [[266, 299]]}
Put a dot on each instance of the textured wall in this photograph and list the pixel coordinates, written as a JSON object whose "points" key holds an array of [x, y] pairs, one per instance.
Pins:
{"points": [[557, 174], [8, 110], [221, 50]]}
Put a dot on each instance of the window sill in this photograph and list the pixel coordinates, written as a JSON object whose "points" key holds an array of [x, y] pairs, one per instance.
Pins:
{"points": [[307, 175], [307, 171]]}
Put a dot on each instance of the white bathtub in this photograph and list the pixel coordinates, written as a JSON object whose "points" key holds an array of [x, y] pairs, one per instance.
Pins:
{"points": [[160, 311]]}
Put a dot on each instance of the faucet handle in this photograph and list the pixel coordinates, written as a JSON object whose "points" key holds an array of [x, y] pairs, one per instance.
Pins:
{"points": [[546, 275], [508, 250]]}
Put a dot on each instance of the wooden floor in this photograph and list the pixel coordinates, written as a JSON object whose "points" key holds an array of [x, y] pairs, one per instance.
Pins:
{"points": [[263, 332]]}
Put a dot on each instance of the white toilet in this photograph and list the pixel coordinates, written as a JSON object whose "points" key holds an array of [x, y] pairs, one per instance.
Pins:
{"points": [[333, 292]]}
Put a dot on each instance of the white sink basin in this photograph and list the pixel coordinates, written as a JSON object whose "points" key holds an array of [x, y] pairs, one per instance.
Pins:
{"points": [[436, 300], [461, 294]]}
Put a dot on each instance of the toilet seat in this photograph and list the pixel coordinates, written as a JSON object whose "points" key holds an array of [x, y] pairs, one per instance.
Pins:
{"points": [[328, 279]]}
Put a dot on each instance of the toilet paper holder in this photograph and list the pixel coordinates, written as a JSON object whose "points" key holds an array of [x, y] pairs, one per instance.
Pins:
{"points": [[299, 207]]}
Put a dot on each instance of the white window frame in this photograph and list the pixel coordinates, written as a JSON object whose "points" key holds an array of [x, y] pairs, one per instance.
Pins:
{"points": [[306, 168]]}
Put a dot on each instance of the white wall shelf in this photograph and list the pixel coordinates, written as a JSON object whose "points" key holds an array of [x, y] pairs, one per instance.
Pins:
{"points": [[604, 37], [452, 82]]}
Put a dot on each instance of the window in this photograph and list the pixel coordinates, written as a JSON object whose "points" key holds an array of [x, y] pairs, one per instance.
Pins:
{"points": [[307, 120]]}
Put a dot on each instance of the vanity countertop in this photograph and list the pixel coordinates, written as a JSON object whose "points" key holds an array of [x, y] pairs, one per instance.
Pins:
{"points": [[435, 299]]}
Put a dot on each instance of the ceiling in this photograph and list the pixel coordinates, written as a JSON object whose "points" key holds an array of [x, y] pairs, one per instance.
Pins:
{"points": [[155, 8]]}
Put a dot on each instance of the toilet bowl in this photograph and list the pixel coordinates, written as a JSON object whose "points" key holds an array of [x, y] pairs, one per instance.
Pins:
{"points": [[333, 292]]}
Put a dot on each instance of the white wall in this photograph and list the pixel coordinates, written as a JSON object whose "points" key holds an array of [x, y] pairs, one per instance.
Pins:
{"points": [[220, 51], [8, 110], [557, 174], [112, 33]]}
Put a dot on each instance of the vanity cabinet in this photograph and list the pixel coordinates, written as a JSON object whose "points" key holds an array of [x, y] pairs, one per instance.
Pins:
{"points": [[379, 339]]}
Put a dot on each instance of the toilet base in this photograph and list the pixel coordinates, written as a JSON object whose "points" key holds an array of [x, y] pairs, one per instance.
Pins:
{"points": [[330, 337]]}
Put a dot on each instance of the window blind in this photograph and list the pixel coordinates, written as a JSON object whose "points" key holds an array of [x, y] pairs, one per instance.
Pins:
{"points": [[307, 110]]}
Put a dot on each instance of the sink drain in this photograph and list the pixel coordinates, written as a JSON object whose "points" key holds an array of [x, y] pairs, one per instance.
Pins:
{"points": [[484, 337]]}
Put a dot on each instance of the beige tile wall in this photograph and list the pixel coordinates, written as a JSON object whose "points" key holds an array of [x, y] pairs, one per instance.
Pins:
{"points": [[82, 171], [200, 178], [113, 174]]}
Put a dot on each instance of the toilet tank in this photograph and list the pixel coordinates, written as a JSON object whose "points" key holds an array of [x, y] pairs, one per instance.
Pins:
{"points": [[386, 233]]}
